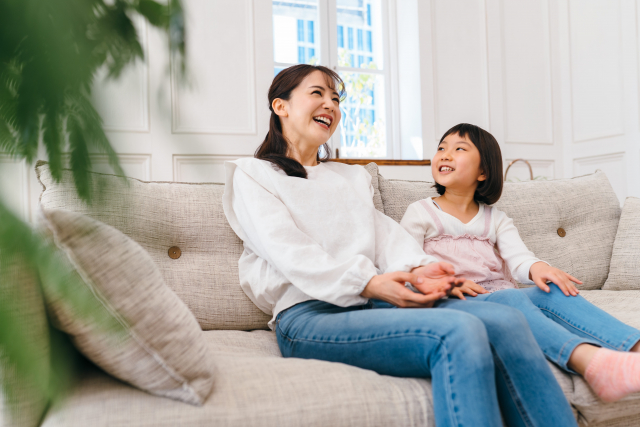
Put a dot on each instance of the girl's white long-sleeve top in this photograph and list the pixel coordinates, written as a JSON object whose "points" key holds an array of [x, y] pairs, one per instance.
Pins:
{"points": [[503, 234], [319, 238]]}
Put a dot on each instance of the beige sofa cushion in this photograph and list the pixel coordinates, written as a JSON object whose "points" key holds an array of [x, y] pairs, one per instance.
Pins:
{"points": [[27, 402], [161, 215], [623, 305], [585, 207], [155, 343], [624, 271], [255, 386]]}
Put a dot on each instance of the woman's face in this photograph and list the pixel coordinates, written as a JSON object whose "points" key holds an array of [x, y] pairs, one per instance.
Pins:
{"points": [[312, 113]]}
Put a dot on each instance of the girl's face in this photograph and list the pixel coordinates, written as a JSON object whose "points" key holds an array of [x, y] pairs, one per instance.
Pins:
{"points": [[312, 113], [456, 164]]}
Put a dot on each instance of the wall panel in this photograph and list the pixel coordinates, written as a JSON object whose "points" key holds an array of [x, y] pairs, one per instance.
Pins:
{"points": [[613, 165], [200, 168], [526, 64], [123, 103], [596, 69], [460, 63], [220, 93], [519, 171]]}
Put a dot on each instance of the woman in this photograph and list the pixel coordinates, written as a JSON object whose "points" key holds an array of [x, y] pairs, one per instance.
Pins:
{"points": [[332, 271]]}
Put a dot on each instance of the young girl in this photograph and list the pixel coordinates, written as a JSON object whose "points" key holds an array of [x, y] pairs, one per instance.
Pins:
{"points": [[484, 247]]}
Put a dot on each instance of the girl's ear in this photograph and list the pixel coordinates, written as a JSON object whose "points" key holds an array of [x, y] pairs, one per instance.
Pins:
{"points": [[279, 107], [482, 176]]}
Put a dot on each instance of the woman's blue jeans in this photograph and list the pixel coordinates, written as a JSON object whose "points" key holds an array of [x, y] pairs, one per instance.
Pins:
{"points": [[560, 323], [481, 356]]}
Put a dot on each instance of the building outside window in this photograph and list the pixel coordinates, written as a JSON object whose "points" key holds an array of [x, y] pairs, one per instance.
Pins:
{"points": [[356, 53]]}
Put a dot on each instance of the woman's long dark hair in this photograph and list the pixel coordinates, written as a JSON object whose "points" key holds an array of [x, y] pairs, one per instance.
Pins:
{"points": [[275, 147]]}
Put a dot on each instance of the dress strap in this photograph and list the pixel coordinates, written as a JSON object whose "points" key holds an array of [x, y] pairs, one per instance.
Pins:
{"points": [[487, 220], [434, 216]]}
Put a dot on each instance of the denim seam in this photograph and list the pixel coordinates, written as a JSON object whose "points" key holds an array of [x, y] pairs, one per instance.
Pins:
{"points": [[398, 335], [577, 328], [395, 335], [561, 355], [512, 391], [636, 338]]}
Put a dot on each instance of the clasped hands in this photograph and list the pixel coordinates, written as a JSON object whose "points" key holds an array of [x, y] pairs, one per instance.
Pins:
{"points": [[436, 280]]}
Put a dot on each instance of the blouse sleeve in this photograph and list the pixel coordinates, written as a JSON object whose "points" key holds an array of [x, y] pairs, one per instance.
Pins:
{"points": [[512, 249], [397, 248], [264, 223]]}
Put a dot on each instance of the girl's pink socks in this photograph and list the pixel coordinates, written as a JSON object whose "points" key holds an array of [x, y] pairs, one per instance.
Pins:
{"points": [[613, 374]]}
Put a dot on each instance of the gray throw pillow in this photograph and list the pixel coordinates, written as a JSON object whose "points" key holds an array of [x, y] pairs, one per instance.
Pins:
{"points": [[158, 346]]}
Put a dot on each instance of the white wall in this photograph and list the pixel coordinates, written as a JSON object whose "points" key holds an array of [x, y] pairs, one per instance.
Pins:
{"points": [[555, 81]]}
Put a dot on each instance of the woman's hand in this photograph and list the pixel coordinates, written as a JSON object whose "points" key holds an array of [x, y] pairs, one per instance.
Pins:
{"points": [[470, 288], [542, 273], [390, 287]]}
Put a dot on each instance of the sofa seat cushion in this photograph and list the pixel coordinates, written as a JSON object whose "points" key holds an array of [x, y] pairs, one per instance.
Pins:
{"points": [[623, 305], [585, 207], [164, 215], [255, 386]]}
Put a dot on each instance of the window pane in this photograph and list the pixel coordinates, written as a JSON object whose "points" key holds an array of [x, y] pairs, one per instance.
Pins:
{"points": [[363, 21], [295, 26], [362, 128]]}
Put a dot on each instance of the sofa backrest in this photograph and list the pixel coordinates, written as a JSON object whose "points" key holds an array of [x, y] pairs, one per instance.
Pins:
{"points": [[164, 215], [570, 223]]}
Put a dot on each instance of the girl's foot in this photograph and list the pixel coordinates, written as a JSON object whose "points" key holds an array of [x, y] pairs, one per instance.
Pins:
{"points": [[613, 374]]}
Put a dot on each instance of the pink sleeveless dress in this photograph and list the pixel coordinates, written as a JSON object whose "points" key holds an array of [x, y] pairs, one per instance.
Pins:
{"points": [[473, 257]]}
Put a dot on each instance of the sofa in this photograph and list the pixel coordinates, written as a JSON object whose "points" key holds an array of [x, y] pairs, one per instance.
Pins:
{"points": [[575, 224]]}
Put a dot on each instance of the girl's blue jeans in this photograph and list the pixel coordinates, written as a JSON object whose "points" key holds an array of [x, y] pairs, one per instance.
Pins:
{"points": [[481, 356], [560, 323]]}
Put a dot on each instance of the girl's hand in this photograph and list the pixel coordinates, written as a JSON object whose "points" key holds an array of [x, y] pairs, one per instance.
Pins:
{"points": [[542, 273], [390, 287], [470, 288], [434, 273]]}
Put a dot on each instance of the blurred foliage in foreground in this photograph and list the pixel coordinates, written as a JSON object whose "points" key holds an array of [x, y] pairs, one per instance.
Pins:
{"points": [[50, 52]]}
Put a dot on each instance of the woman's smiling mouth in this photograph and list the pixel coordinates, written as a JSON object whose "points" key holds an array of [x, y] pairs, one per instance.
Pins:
{"points": [[323, 120]]}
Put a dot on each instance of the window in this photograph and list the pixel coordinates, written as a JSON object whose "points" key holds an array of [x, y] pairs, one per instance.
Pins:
{"points": [[355, 34]]}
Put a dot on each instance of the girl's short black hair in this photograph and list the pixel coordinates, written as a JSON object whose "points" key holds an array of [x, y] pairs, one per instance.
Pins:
{"points": [[489, 190]]}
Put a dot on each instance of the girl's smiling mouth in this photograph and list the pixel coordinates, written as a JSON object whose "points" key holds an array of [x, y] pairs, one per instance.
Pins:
{"points": [[446, 169]]}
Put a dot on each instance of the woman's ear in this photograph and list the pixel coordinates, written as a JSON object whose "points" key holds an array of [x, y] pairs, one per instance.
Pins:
{"points": [[279, 107], [482, 176]]}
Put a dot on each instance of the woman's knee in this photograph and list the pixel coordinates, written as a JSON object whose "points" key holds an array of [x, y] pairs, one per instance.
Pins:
{"points": [[464, 329]]}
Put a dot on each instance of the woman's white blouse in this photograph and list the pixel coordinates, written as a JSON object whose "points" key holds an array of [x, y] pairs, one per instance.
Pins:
{"points": [[319, 238]]}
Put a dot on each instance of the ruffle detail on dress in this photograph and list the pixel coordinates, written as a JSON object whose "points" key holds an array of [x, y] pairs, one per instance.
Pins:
{"points": [[460, 237]]}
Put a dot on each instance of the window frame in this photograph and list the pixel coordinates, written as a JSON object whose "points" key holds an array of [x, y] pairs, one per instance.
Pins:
{"points": [[326, 32]]}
